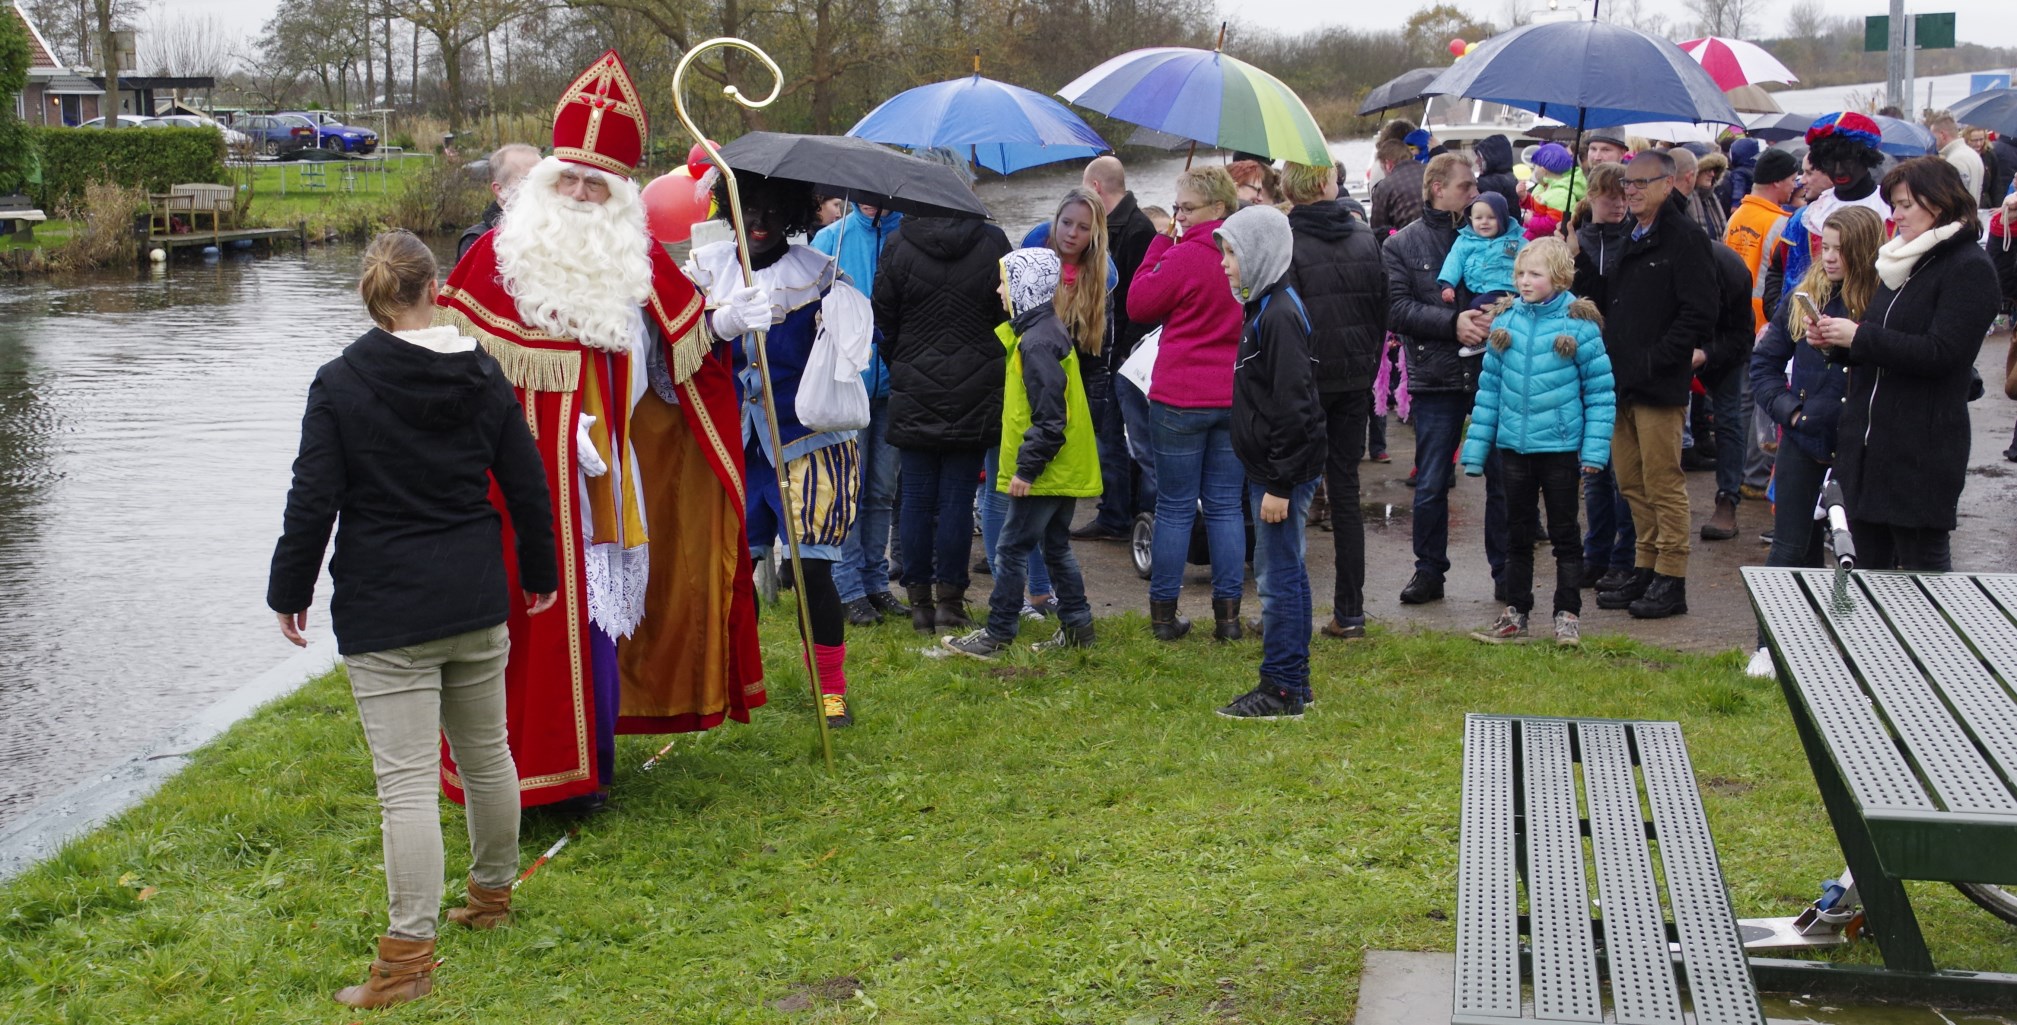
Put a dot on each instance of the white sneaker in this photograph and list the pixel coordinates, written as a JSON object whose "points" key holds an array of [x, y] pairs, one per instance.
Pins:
{"points": [[1760, 667]]}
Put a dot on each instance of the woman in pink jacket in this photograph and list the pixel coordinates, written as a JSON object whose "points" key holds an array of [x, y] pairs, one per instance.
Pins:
{"points": [[1181, 286]]}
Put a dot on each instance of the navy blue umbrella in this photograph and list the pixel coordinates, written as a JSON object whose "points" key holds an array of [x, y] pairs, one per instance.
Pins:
{"points": [[1587, 72], [1994, 109]]}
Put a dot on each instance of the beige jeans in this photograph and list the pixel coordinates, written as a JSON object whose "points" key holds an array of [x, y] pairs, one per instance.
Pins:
{"points": [[406, 698], [1646, 455]]}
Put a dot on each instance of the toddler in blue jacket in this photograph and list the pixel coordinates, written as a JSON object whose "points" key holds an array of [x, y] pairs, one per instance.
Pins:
{"points": [[1481, 260], [1546, 401]]}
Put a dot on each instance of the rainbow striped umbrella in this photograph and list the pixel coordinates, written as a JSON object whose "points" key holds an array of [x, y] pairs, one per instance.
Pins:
{"points": [[1205, 96]]}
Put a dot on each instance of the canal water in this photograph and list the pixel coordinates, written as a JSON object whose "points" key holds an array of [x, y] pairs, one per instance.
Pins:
{"points": [[147, 424]]}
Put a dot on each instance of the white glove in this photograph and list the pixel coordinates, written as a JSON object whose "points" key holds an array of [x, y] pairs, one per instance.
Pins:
{"points": [[743, 309], [584, 448]]}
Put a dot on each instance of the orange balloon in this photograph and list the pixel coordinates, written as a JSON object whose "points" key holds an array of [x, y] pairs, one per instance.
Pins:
{"points": [[671, 206]]}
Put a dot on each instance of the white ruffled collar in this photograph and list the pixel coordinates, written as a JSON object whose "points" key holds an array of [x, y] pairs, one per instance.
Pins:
{"points": [[1897, 258]]}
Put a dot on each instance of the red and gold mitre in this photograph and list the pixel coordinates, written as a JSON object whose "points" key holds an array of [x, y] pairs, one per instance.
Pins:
{"points": [[600, 120]]}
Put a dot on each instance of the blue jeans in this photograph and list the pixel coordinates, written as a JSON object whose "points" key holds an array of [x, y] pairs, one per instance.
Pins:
{"points": [[864, 557], [1731, 407], [1195, 466], [1283, 578], [1134, 408], [1117, 504], [1036, 524], [994, 507], [1439, 428], [935, 525], [1611, 541]]}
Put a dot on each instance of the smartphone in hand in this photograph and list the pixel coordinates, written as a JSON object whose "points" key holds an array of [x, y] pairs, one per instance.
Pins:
{"points": [[1806, 304]]}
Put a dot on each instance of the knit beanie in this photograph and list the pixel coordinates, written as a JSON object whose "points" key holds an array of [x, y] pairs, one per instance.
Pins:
{"points": [[1774, 165], [1499, 210], [1259, 239], [1032, 276], [1554, 158]]}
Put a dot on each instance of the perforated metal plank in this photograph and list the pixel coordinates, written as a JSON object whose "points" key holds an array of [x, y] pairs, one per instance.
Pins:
{"points": [[2002, 587], [1986, 709], [1643, 990], [1719, 979], [1864, 752], [1558, 899], [1960, 776], [1488, 912]]}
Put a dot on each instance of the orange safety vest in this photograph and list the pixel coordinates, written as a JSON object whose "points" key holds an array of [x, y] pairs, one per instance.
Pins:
{"points": [[1756, 229]]}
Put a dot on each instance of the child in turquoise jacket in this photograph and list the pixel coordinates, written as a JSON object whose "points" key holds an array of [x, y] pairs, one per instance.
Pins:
{"points": [[1481, 260], [1546, 401]]}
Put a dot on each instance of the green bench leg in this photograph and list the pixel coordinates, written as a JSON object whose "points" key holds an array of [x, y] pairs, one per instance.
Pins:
{"points": [[1888, 912]]}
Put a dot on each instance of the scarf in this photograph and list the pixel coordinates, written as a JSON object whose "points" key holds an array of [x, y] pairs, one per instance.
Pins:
{"points": [[1897, 258]]}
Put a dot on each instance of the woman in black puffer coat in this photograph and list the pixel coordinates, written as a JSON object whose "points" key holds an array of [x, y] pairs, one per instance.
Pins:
{"points": [[1902, 449], [936, 305]]}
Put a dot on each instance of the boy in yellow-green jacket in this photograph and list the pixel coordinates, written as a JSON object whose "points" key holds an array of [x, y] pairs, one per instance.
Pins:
{"points": [[1049, 459]]}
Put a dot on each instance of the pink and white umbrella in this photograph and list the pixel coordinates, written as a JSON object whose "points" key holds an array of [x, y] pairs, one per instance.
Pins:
{"points": [[1734, 62]]}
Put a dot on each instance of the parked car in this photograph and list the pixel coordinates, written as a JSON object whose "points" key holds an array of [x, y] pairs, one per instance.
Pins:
{"points": [[333, 134], [127, 121], [274, 134], [234, 140]]}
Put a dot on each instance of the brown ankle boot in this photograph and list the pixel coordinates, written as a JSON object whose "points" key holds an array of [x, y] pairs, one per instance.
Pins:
{"points": [[486, 908], [403, 971]]}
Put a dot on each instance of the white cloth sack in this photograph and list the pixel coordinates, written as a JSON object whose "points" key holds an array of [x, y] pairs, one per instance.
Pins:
{"points": [[1140, 365], [831, 396]]}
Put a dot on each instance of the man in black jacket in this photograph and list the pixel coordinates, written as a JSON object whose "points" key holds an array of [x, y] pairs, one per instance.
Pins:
{"points": [[1659, 318], [508, 165], [1445, 348], [1725, 376], [1336, 269], [1129, 233]]}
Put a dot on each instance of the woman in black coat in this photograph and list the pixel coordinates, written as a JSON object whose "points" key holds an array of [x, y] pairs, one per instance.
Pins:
{"points": [[1902, 453], [936, 305]]}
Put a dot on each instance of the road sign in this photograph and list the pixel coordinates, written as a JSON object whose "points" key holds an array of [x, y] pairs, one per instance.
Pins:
{"points": [[1934, 31]]}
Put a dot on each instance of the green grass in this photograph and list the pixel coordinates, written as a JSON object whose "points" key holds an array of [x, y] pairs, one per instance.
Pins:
{"points": [[48, 235], [1071, 840]]}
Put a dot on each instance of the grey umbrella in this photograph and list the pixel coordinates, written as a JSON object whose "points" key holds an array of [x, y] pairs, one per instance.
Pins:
{"points": [[1403, 90]]}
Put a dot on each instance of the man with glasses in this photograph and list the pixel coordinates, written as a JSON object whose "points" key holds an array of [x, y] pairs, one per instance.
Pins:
{"points": [[1445, 350], [1660, 308]]}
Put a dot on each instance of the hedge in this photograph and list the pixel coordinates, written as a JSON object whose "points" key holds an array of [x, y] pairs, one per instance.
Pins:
{"points": [[151, 159]]}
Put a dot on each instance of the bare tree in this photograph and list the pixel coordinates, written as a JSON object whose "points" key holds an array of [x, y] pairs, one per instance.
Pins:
{"points": [[1640, 15], [186, 45], [1808, 19], [1731, 18]]}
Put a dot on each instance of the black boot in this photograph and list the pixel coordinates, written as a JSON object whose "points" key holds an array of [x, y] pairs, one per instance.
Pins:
{"points": [[1634, 589], [923, 614], [1615, 578], [1422, 589], [951, 613], [1164, 621], [1665, 596], [1226, 619], [1592, 572]]}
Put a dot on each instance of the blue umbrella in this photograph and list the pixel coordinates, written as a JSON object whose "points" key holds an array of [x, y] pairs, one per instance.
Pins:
{"points": [[1594, 71], [1902, 138], [1001, 127], [1994, 109]]}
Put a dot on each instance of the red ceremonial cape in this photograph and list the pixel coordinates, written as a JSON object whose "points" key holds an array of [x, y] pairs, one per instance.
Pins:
{"points": [[549, 680]]}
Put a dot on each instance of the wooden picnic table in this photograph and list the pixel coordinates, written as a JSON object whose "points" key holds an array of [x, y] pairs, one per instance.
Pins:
{"points": [[1900, 687]]}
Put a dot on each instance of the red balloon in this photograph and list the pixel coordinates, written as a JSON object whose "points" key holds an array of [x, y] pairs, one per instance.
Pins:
{"points": [[697, 162], [671, 206], [1457, 47]]}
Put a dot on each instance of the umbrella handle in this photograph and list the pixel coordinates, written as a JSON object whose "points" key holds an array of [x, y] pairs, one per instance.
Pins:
{"points": [[761, 351]]}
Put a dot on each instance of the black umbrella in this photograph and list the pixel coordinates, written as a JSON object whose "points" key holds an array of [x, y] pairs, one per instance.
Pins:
{"points": [[862, 171], [1403, 91], [1994, 109]]}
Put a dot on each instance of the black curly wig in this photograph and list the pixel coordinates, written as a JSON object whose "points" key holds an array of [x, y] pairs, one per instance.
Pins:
{"points": [[794, 201], [1835, 150]]}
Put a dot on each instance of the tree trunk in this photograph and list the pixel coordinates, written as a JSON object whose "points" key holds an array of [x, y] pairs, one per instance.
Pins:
{"points": [[108, 107], [451, 73], [370, 72], [490, 91], [413, 80], [391, 93]]}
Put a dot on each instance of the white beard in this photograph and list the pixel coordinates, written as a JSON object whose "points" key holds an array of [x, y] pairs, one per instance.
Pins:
{"points": [[574, 269]]}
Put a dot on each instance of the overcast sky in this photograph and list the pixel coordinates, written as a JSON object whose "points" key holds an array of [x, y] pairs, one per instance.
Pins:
{"points": [[1988, 22]]}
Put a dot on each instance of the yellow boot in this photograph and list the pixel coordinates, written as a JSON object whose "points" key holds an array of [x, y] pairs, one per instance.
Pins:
{"points": [[403, 971]]}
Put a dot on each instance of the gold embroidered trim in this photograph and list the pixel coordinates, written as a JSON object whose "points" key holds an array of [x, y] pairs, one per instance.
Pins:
{"points": [[714, 438]]}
